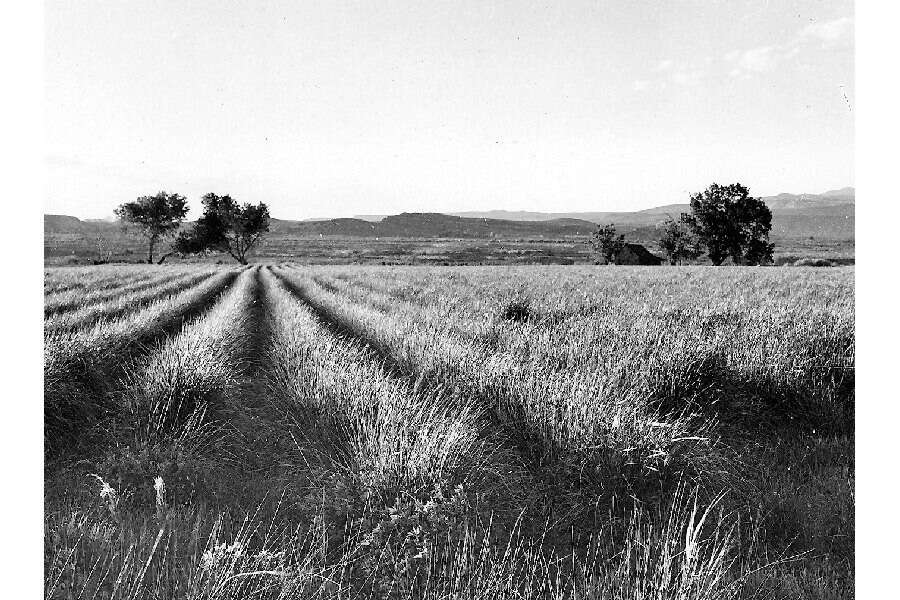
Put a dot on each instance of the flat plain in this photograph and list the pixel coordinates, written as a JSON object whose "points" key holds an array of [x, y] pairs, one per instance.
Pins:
{"points": [[290, 431]]}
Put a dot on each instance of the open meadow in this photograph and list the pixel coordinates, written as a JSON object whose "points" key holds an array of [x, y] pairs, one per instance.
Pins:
{"points": [[288, 431]]}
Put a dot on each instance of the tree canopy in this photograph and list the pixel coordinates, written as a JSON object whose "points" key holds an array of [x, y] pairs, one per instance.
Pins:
{"points": [[607, 243], [731, 223], [678, 242], [156, 216], [226, 226]]}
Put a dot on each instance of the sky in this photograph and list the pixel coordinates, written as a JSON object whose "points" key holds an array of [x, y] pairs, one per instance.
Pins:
{"points": [[331, 109]]}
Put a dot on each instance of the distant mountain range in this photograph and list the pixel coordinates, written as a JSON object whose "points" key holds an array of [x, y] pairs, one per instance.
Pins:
{"points": [[841, 197], [830, 215]]}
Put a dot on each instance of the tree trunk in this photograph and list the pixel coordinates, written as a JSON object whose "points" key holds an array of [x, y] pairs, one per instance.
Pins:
{"points": [[150, 252]]}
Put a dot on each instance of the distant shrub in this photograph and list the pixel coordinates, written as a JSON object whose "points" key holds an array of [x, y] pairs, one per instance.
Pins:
{"points": [[785, 260], [813, 262], [518, 309]]}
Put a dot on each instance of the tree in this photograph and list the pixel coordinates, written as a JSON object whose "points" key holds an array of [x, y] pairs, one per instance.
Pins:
{"points": [[678, 241], [157, 216], [226, 226], [731, 223], [607, 243]]}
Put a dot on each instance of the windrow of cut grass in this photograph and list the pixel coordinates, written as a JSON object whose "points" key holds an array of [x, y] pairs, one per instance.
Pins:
{"points": [[570, 425], [345, 432], [58, 280], [167, 393], [733, 343], [162, 472], [768, 356], [411, 473], [70, 295], [122, 304], [76, 299], [376, 452], [390, 438], [81, 366]]}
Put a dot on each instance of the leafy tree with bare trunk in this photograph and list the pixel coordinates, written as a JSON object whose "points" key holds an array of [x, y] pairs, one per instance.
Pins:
{"points": [[156, 216], [226, 226], [731, 223], [607, 243], [678, 241]]}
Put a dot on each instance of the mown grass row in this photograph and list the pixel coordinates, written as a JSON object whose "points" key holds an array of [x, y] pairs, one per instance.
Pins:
{"points": [[59, 280], [753, 357], [122, 304], [81, 366], [564, 421], [72, 292], [398, 483], [350, 369], [170, 390], [767, 376], [159, 445], [75, 299], [391, 438], [343, 463], [376, 446]]}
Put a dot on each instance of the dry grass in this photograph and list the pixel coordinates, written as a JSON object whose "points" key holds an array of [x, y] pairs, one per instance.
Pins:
{"points": [[389, 433], [78, 310], [81, 365]]}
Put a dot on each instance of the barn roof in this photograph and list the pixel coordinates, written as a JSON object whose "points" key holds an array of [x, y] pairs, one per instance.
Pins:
{"points": [[639, 250]]}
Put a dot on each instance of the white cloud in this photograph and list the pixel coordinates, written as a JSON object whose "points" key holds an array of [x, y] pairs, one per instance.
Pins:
{"points": [[679, 73], [759, 60], [665, 65], [685, 75], [828, 32], [766, 58]]}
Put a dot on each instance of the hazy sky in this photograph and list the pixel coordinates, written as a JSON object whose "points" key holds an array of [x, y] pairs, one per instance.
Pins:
{"points": [[334, 109]]}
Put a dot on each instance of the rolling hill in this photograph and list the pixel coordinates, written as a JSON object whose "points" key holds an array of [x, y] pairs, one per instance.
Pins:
{"points": [[844, 198], [830, 215]]}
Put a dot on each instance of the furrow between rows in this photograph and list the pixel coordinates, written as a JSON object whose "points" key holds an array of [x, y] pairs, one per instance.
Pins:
{"points": [[122, 305], [82, 367], [77, 300], [381, 432], [530, 409]]}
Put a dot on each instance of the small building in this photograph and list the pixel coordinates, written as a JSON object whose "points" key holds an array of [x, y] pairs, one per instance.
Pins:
{"points": [[636, 254]]}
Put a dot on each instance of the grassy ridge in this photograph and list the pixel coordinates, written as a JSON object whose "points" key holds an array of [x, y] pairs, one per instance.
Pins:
{"points": [[767, 336], [391, 438], [160, 426], [757, 365], [565, 422], [61, 280], [170, 390], [74, 299], [65, 293], [80, 365], [121, 304]]}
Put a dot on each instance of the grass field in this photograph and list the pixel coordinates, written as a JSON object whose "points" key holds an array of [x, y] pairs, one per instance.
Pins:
{"points": [[286, 431], [81, 249]]}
